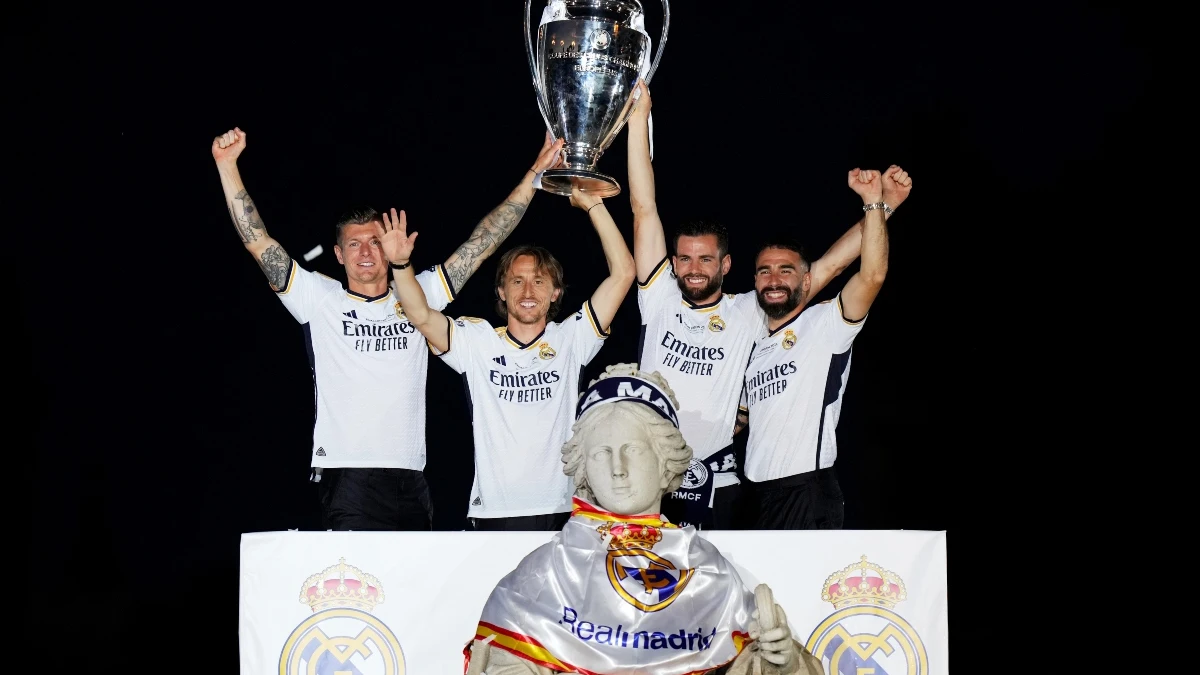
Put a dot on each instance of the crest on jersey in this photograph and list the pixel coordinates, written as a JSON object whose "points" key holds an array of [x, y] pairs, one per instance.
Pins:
{"points": [[546, 351], [341, 636], [789, 339], [641, 577], [695, 476], [716, 324], [400, 312], [865, 634]]}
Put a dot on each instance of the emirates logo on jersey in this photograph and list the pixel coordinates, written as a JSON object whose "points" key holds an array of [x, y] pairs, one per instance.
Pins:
{"points": [[789, 339], [546, 351], [716, 324]]}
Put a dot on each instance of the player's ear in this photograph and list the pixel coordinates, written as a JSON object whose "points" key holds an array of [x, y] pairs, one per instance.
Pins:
{"points": [[726, 264]]}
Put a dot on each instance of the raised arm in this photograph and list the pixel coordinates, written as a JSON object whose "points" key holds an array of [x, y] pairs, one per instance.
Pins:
{"points": [[896, 186], [501, 221], [397, 248], [649, 241], [274, 261], [861, 289], [611, 292]]}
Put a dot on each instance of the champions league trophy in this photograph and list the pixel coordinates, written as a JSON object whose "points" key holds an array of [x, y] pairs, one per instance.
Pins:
{"points": [[590, 55], [621, 591]]}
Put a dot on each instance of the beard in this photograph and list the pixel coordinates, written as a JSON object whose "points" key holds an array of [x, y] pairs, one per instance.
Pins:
{"points": [[776, 310], [704, 292]]}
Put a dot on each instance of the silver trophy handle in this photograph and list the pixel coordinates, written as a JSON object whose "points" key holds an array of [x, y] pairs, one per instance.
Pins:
{"points": [[543, 105], [662, 41]]}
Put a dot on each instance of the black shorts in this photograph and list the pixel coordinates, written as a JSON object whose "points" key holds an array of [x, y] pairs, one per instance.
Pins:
{"points": [[806, 501], [548, 522], [375, 499]]}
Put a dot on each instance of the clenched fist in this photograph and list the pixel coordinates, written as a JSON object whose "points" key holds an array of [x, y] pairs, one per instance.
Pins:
{"points": [[896, 186], [229, 145], [867, 184]]}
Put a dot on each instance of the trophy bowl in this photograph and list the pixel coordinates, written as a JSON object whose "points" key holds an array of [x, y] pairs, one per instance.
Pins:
{"points": [[590, 55]]}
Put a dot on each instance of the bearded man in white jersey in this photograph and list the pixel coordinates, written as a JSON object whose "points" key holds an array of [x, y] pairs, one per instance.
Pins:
{"points": [[798, 371], [523, 377], [700, 337], [368, 361]]}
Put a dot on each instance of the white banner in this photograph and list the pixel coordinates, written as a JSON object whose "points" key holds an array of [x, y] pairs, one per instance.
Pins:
{"points": [[407, 603]]}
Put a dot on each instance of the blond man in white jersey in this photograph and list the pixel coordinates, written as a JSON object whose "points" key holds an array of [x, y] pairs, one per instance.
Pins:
{"points": [[523, 377], [698, 336], [368, 361], [798, 371]]}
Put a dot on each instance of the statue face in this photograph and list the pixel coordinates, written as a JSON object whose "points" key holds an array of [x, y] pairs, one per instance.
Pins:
{"points": [[623, 471]]}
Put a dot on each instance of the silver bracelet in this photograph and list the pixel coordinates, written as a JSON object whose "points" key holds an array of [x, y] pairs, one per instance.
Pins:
{"points": [[887, 210]]}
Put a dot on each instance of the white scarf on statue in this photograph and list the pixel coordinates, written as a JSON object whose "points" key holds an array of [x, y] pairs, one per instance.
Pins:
{"points": [[620, 595]]}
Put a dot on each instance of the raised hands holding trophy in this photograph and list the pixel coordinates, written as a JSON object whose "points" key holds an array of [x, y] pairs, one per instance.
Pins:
{"points": [[590, 55]]}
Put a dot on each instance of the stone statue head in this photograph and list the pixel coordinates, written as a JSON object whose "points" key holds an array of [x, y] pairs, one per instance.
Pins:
{"points": [[626, 450]]}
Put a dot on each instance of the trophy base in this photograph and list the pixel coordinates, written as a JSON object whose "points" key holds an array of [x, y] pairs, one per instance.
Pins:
{"points": [[560, 182]]}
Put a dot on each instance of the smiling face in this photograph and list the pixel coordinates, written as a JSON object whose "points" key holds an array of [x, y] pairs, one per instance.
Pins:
{"points": [[624, 472], [360, 252], [700, 268], [781, 281], [528, 291]]}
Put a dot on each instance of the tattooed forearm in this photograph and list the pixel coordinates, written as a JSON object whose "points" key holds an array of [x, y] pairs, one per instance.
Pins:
{"points": [[487, 237], [245, 218], [276, 264]]}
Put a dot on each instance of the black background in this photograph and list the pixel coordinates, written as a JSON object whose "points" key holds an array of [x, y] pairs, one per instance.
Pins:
{"points": [[168, 389]]}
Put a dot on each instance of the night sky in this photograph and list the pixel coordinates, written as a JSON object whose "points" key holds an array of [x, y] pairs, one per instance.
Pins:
{"points": [[170, 388]]}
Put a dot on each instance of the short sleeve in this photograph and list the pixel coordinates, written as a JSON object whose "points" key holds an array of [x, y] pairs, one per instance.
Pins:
{"points": [[436, 283], [304, 291], [466, 334], [582, 329], [658, 290], [836, 331]]}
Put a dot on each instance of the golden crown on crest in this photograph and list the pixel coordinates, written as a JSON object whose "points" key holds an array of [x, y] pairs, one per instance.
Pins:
{"points": [[863, 583], [626, 535], [341, 585]]}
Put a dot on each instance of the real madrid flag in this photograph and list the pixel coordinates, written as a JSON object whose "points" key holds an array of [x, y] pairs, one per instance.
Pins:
{"points": [[620, 595]]}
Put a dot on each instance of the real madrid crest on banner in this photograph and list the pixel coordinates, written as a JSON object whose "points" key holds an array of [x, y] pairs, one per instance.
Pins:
{"points": [[341, 636], [640, 576], [865, 634]]}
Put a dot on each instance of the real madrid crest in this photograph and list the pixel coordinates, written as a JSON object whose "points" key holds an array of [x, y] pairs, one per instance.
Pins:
{"points": [[865, 627], [546, 351], [400, 312], [716, 324], [341, 635], [640, 576], [789, 339]]}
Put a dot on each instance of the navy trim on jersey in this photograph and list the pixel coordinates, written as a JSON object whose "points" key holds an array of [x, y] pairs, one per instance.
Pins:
{"points": [[312, 366], [287, 284], [522, 345], [833, 387], [842, 311], [595, 322], [449, 338], [368, 298], [449, 284], [771, 333], [641, 349], [714, 303], [653, 273]]}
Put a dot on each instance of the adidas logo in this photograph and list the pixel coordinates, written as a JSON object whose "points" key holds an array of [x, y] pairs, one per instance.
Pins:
{"points": [[353, 314], [500, 360], [478, 501], [320, 452]]}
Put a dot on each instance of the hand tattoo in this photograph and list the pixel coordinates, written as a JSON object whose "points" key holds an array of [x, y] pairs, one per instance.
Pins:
{"points": [[276, 264], [245, 218], [484, 240]]}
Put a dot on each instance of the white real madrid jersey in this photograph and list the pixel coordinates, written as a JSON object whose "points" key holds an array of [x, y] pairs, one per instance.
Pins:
{"points": [[702, 351], [523, 398], [369, 366], [793, 389]]}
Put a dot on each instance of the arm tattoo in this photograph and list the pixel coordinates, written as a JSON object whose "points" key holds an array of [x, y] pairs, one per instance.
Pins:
{"points": [[245, 218], [488, 235], [276, 264]]}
